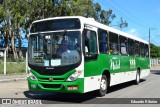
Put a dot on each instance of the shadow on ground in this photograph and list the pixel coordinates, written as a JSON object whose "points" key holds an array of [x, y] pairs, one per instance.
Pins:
{"points": [[52, 98], [157, 72], [123, 86]]}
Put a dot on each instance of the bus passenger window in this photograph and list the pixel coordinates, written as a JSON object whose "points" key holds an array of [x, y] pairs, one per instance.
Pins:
{"points": [[131, 47], [90, 45], [113, 43], [90, 42], [137, 48], [103, 41], [142, 50], [123, 45], [146, 51]]}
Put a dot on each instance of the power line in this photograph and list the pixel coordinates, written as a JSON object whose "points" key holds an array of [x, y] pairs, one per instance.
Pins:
{"points": [[129, 16], [121, 14], [154, 41], [130, 13]]}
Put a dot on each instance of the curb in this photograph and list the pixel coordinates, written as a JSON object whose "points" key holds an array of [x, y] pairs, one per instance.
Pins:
{"points": [[14, 79]]}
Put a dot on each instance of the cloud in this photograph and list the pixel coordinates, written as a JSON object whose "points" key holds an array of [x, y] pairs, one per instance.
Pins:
{"points": [[134, 32]]}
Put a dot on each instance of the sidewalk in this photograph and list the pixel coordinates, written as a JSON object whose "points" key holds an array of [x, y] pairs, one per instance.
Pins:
{"points": [[14, 77], [155, 67]]}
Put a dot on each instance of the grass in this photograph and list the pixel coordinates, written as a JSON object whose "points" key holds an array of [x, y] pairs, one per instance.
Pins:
{"points": [[13, 68]]}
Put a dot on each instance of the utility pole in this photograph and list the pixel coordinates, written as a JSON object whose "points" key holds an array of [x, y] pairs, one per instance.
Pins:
{"points": [[150, 41]]}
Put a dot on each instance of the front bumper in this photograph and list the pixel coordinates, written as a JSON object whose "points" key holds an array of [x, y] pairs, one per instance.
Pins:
{"points": [[57, 86]]}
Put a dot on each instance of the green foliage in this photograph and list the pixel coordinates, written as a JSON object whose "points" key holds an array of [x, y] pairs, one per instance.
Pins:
{"points": [[155, 51], [122, 23], [26, 11], [16, 14], [80, 7], [106, 17], [13, 68]]}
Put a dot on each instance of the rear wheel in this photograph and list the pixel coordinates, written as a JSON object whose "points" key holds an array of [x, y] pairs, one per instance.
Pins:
{"points": [[103, 86], [137, 77]]}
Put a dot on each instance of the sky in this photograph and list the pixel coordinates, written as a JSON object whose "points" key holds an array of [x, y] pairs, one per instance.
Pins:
{"points": [[141, 16]]}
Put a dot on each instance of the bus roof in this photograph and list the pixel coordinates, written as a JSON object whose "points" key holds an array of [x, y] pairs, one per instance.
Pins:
{"points": [[92, 22]]}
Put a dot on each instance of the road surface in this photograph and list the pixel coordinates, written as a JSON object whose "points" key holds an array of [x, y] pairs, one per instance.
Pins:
{"points": [[148, 88]]}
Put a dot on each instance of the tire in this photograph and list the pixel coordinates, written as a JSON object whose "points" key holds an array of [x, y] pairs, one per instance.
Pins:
{"points": [[103, 86], [137, 77]]}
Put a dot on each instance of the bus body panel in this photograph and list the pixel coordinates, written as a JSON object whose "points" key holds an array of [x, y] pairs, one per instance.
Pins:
{"points": [[121, 68]]}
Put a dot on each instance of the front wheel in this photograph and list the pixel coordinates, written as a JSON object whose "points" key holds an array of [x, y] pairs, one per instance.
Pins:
{"points": [[103, 86]]}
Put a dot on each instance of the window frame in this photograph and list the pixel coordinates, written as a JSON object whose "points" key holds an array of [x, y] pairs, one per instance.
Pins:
{"points": [[131, 48], [126, 44], [137, 48], [101, 42], [88, 56], [146, 54], [111, 43]]}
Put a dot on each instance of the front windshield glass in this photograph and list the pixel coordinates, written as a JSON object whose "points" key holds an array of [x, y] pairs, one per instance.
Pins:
{"points": [[54, 49]]}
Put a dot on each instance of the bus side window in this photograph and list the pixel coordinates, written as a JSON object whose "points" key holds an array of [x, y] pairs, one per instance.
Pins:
{"points": [[142, 50], [131, 47], [103, 41], [90, 45], [123, 45], [146, 51], [137, 48], [113, 43]]}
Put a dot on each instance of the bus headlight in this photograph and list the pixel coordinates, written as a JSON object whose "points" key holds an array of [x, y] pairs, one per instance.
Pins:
{"points": [[74, 76], [31, 75]]}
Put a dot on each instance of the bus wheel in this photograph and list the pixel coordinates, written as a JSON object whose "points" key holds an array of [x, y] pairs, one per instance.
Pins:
{"points": [[103, 86], [137, 77]]}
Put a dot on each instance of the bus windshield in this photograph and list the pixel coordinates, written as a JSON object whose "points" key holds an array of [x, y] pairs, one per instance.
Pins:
{"points": [[54, 49]]}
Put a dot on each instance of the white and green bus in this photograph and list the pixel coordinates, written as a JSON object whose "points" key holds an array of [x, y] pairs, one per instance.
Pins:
{"points": [[75, 54]]}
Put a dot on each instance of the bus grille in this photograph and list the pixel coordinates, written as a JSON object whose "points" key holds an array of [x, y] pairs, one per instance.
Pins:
{"points": [[53, 79], [51, 85]]}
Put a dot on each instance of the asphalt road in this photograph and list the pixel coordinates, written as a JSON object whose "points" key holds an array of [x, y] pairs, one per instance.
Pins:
{"points": [[148, 88]]}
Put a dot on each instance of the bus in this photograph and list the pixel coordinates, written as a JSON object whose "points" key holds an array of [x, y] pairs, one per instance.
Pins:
{"points": [[74, 54]]}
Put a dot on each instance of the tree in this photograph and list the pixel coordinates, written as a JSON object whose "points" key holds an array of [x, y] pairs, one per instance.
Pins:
{"points": [[79, 7], [97, 9], [122, 23], [89, 9], [106, 17], [17, 9], [5, 21], [155, 51], [17, 14]]}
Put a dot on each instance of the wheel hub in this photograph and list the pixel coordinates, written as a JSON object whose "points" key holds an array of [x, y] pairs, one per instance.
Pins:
{"points": [[103, 85]]}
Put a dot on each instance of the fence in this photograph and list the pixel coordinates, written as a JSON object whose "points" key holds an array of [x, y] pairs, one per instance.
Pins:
{"points": [[154, 61], [11, 66], [3, 59]]}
